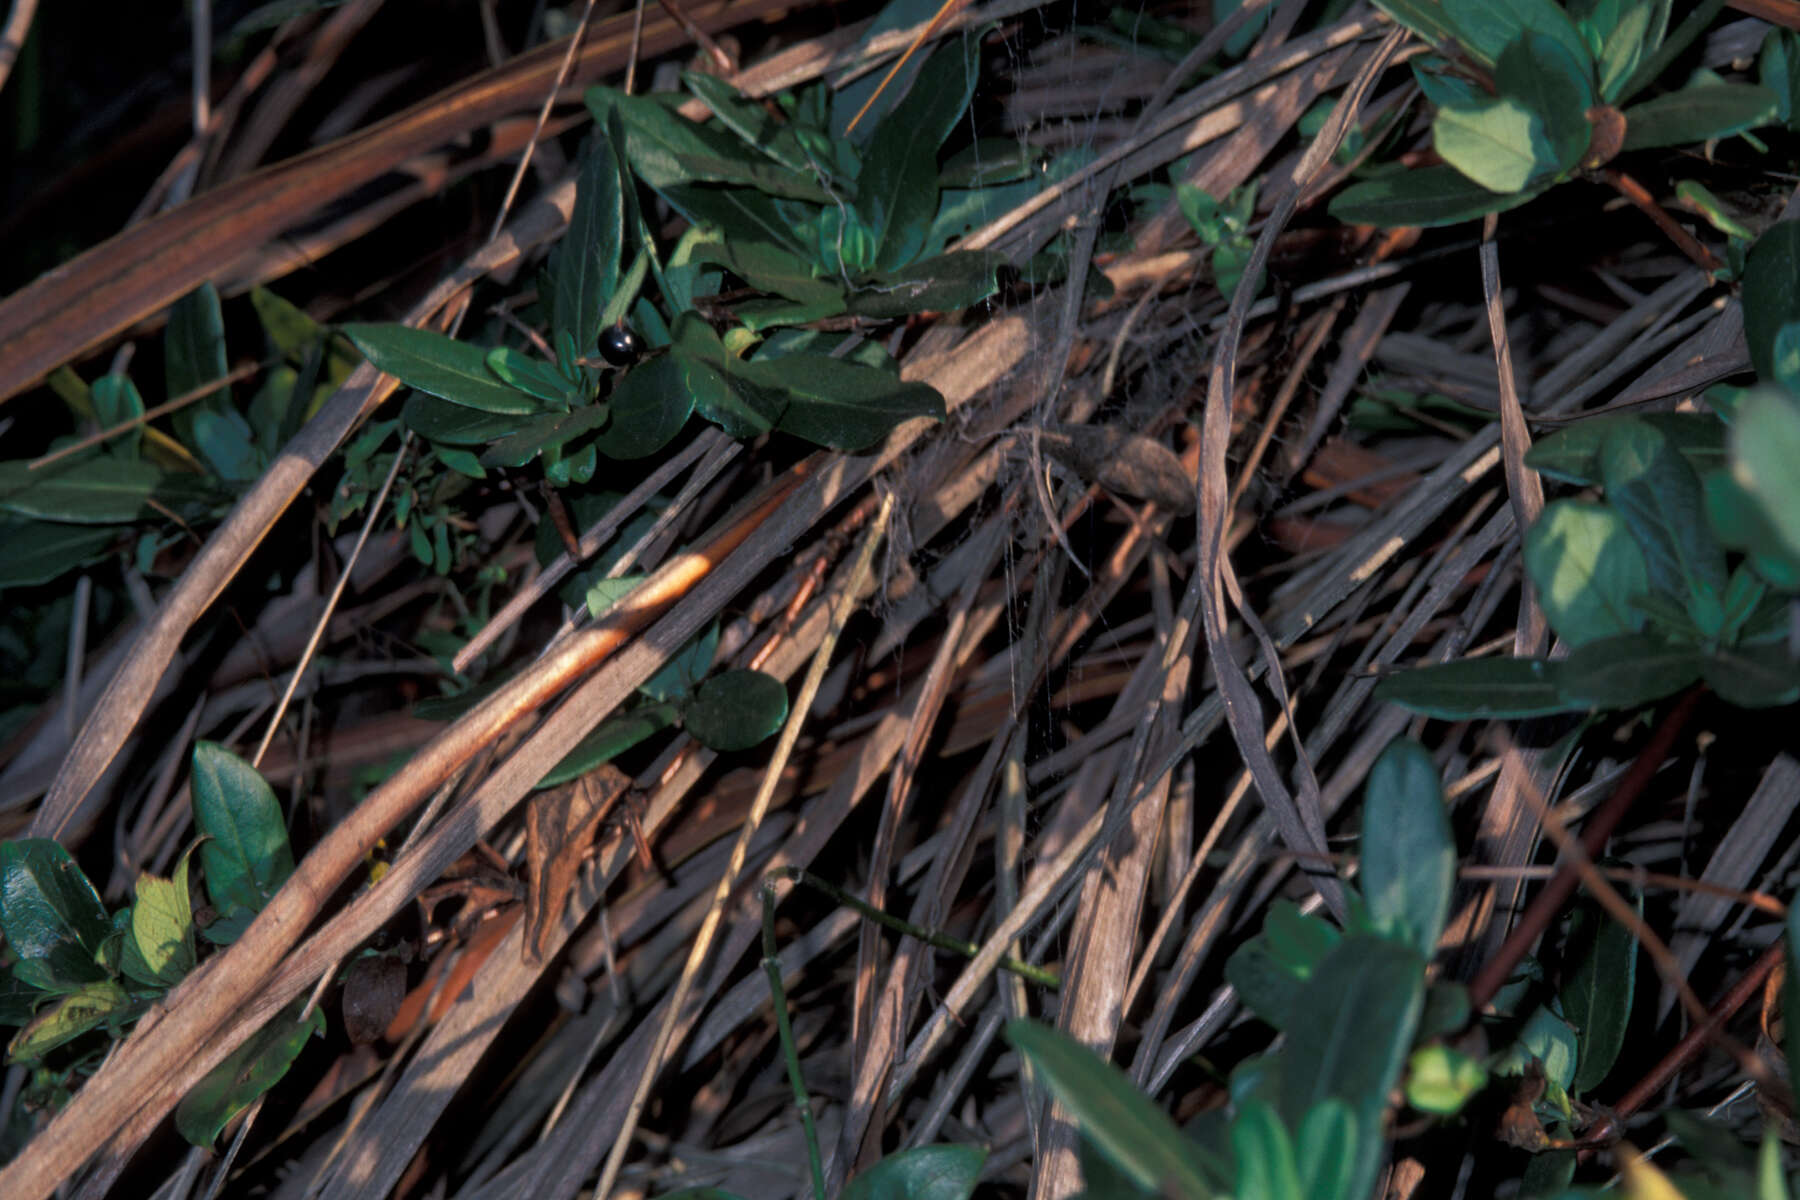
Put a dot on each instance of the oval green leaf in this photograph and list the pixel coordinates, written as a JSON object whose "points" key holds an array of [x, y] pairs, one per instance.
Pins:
{"points": [[922, 1173], [1658, 494], [1597, 991], [1264, 1152], [51, 915], [734, 710], [246, 856], [1627, 672], [250, 1070], [1771, 293], [1408, 851], [1587, 569], [1351, 1035], [652, 404]]}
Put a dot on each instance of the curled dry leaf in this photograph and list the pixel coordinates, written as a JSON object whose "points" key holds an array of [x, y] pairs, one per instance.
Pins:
{"points": [[1607, 137], [1127, 463], [559, 827]]}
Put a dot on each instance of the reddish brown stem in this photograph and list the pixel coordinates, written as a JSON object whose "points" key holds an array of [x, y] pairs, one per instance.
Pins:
{"points": [[1556, 893], [1634, 191], [1687, 1047]]}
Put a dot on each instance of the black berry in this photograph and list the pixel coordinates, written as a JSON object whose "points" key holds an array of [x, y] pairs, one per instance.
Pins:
{"points": [[620, 346]]}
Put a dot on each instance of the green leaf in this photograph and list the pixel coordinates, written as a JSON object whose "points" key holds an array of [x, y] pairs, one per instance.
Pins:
{"points": [[116, 401], [1766, 679], [1495, 143], [611, 739], [33, 552], [1587, 569], [685, 669], [652, 403], [742, 213], [896, 191], [1325, 1151], [1547, 1038], [452, 424], [1740, 521], [840, 404], [1768, 427], [1408, 851], [1479, 688], [539, 435], [194, 354], [1547, 1176], [585, 267], [1778, 69], [1266, 986], [536, 379], [1771, 296], [229, 928], [1697, 113], [1556, 85], [1442, 1080], [665, 151], [1572, 454], [160, 950], [942, 284], [1627, 671], [224, 440], [442, 366], [246, 857], [847, 101], [1597, 991], [1134, 1134], [1657, 493], [82, 491], [51, 915], [1350, 1038], [771, 269], [750, 121], [291, 333], [1428, 19], [989, 162], [1266, 1167], [1427, 197], [734, 710], [921, 1173], [1486, 29], [1625, 45], [83, 1008], [249, 1071], [17, 999], [724, 397]]}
